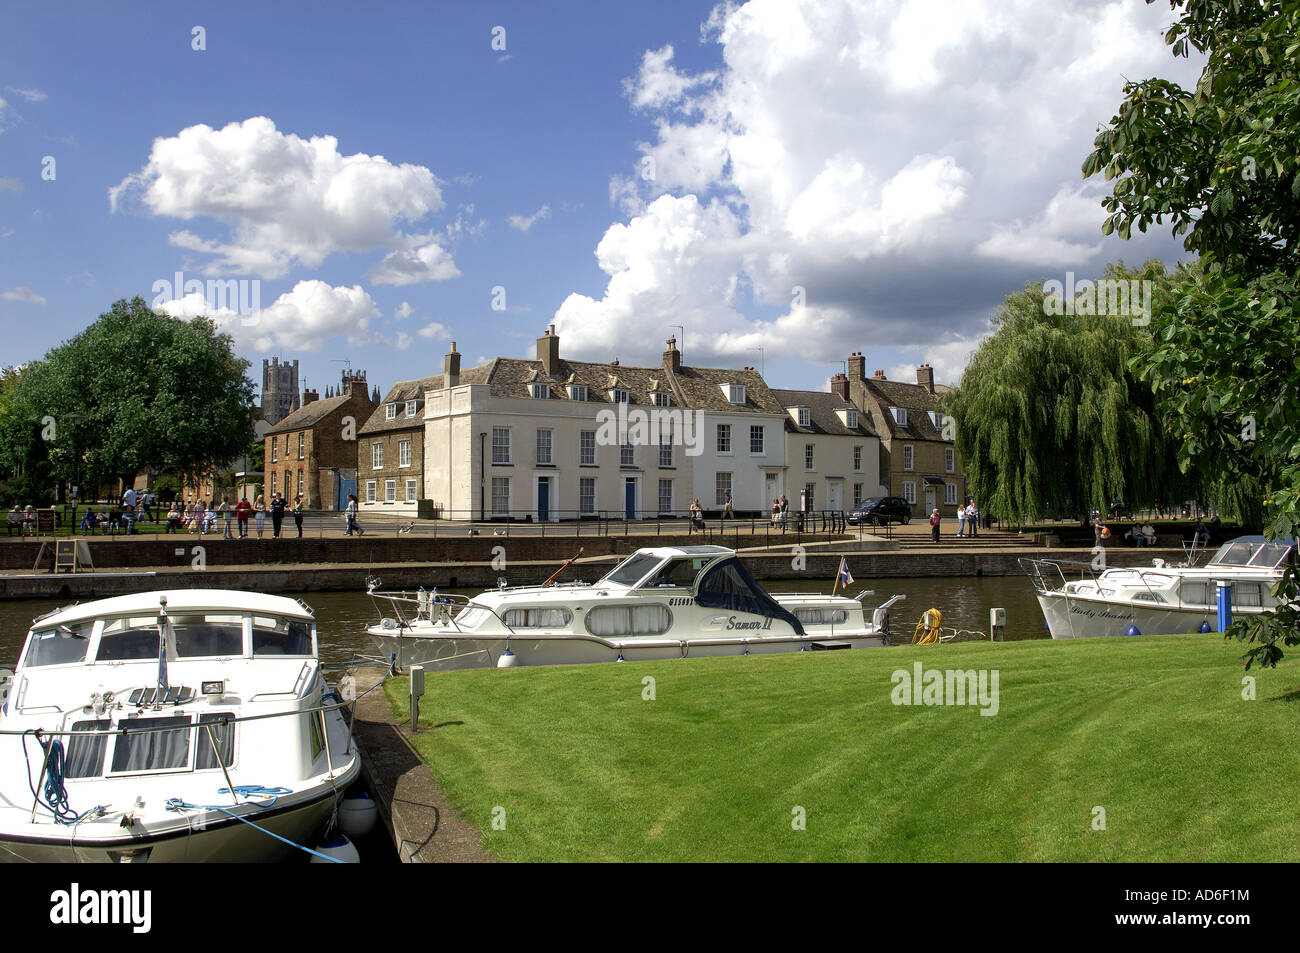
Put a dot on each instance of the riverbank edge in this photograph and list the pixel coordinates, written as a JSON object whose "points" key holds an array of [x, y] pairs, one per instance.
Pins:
{"points": [[785, 563]]}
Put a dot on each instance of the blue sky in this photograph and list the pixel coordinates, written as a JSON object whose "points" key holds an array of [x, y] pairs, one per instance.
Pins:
{"points": [[809, 179]]}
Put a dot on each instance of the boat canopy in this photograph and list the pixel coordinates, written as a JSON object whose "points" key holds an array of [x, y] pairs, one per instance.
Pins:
{"points": [[1254, 551], [727, 584]]}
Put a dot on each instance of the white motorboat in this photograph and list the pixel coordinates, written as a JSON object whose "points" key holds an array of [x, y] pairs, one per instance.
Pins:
{"points": [[659, 603], [163, 726], [1160, 600]]}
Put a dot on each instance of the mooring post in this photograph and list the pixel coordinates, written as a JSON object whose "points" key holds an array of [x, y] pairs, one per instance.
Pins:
{"points": [[997, 625], [417, 690]]}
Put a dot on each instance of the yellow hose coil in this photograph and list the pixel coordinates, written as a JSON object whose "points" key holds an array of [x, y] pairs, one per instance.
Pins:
{"points": [[927, 630]]}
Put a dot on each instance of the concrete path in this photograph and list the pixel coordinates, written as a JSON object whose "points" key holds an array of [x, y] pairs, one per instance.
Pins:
{"points": [[426, 828]]}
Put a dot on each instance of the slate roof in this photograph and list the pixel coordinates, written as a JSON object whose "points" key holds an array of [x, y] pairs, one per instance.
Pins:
{"points": [[414, 390], [304, 418], [692, 388], [916, 399], [822, 416]]}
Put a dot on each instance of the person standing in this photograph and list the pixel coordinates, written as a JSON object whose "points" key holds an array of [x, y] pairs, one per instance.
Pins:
{"points": [[227, 512], [259, 508], [934, 526], [277, 515], [728, 512], [242, 510], [352, 516], [174, 517], [972, 519], [961, 518], [697, 516], [297, 514], [785, 511]]}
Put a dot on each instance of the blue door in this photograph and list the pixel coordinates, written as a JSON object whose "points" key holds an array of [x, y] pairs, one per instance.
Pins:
{"points": [[345, 486], [543, 499], [629, 498]]}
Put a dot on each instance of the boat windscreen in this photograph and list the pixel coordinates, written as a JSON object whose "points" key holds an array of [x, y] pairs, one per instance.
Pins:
{"points": [[728, 585], [1255, 553], [633, 569]]}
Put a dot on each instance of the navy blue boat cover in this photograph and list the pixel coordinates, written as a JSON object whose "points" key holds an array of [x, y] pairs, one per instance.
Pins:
{"points": [[728, 585]]}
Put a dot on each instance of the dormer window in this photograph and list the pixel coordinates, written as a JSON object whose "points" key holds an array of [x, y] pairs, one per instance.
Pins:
{"points": [[410, 408], [577, 392], [851, 419], [390, 412], [618, 395], [900, 415], [662, 399], [540, 391], [735, 393]]}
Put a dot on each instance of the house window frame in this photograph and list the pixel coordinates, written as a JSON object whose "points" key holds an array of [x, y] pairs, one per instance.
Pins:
{"points": [[545, 447], [412, 491], [909, 457], [759, 431], [720, 490], [500, 502], [390, 490], [376, 455], [722, 438], [501, 447], [810, 457], [372, 491], [587, 448], [949, 460], [404, 453], [909, 492], [586, 496], [411, 408], [390, 411]]}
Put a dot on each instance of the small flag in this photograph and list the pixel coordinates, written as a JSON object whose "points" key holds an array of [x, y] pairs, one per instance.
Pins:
{"points": [[845, 578]]}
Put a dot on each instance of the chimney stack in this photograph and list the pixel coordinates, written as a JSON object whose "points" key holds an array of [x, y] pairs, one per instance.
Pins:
{"points": [[308, 396], [548, 352], [880, 374], [857, 366], [925, 377], [672, 356], [840, 386], [451, 367]]}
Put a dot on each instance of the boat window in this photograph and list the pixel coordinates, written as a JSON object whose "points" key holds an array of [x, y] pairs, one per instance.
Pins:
{"points": [[538, 618], [317, 738], [223, 732], [139, 749], [128, 638], [281, 637], [1246, 594], [678, 573], [1193, 593], [1270, 555], [208, 634], [1147, 597], [60, 645], [85, 756], [821, 616], [629, 620], [631, 570], [472, 617]]}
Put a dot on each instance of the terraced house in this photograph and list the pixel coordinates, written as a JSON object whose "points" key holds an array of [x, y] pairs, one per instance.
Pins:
{"points": [[313, 451], [833, 455], [916, 461], [550, 439]]}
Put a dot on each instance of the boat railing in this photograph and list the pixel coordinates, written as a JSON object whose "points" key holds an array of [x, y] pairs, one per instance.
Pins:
{"points": [[428, 602]]}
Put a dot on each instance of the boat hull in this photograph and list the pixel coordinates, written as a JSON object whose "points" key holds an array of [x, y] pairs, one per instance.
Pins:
{"points": [[444, 653], [1072, 617]]}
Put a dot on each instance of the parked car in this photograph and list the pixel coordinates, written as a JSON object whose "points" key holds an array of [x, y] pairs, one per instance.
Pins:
{"points": [[882, 509]]}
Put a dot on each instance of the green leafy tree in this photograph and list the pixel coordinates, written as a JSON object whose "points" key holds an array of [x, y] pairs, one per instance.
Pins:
{"points": [[142, 391], [1050, 419], [1221, 165]]}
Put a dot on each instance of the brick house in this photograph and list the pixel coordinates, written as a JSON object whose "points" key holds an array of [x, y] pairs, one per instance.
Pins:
{"points": [[313, 451], [832, 456], [916, 462]]}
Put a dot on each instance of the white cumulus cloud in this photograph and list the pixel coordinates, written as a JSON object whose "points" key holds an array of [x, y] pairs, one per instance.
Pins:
{"points": [[22, 293], [524, 222]]}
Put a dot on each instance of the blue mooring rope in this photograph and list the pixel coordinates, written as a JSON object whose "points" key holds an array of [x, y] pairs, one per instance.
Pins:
{"points": [[56, 792], [244, 790]]}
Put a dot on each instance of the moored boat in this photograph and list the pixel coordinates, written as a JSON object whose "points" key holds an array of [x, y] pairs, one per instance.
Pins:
{"points": [[658, 603], [1159, 600], [163, 726]]}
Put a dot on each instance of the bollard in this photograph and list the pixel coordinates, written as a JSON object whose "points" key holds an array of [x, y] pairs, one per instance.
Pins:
{"points": [[997, 625], [1223, 598], [417, 689]]}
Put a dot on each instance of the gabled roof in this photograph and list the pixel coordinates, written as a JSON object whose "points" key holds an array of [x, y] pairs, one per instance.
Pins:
{"points": [[403, 391], [822, 416], [306, 417], [917, 400]]}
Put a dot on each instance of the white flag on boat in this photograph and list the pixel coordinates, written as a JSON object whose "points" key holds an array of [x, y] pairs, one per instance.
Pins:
{"points": [[845, 578]]}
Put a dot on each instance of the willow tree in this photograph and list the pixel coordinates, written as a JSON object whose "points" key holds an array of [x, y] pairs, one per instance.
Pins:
{"points": [[1049, 418]]}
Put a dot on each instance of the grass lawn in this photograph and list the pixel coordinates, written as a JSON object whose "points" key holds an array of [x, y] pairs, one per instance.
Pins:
{"points": [[1154, 730]]}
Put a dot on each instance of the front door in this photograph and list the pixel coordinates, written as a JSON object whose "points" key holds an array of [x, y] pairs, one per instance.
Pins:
{"points": [[543, 499], [629, 498], [929, 500], [834, 495]]}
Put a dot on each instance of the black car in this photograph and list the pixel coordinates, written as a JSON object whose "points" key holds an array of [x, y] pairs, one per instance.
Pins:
{"points": [[882, 509]]}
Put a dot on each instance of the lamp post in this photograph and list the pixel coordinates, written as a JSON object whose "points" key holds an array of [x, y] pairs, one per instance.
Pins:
{"points": [[482, 473]]}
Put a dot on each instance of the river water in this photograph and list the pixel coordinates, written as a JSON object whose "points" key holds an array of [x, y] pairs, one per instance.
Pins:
{"points": [[343, 616]]}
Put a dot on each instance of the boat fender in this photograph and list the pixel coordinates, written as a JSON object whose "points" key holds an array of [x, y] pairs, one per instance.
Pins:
{"points": [[340, 849], [1132, 630], [507, 659], [1205, 627], [357, 814]]}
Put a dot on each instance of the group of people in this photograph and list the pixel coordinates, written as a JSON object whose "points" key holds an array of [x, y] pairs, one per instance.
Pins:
{"points": [[22, 521], [968, 521], [203, 518], [780, 510], [1142, 535]]}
